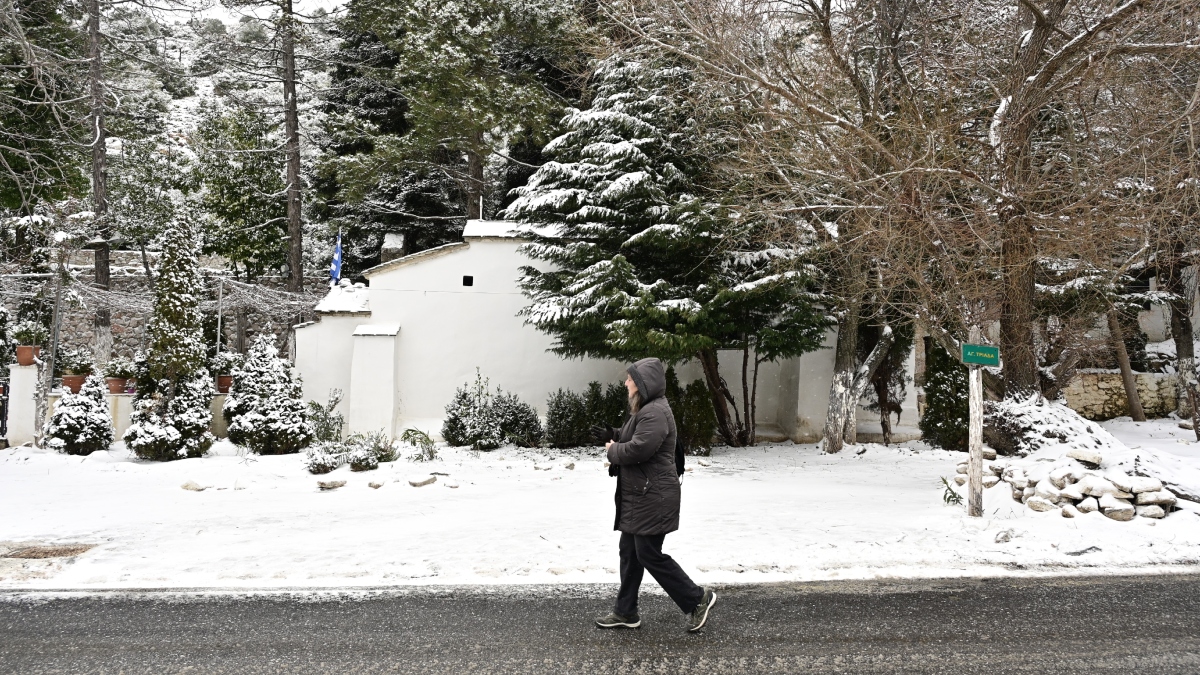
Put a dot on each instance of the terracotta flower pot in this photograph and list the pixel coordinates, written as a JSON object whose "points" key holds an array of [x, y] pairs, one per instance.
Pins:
{"points": [[73, 382], [116, 385], [224, 382], [26, 354]]}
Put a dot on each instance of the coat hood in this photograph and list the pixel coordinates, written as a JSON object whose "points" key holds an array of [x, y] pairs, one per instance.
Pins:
{"points": [[650, 378]]}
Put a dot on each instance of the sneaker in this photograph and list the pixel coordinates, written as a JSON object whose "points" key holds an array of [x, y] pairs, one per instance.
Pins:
{"points": [[614, 620], [699, 615]]}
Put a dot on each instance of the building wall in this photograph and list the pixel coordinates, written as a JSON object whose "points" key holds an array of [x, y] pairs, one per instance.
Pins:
{"points": [[448, 330]]}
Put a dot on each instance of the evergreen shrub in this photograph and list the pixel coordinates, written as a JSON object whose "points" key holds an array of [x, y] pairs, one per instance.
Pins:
{"points": [[323, 457], [171, 414], [426, 452], [485, 421], [695, 421], [325, 421], [73, 362], [947, 409], [81, 424], [30, 333], [263, 410], [570, 416]]}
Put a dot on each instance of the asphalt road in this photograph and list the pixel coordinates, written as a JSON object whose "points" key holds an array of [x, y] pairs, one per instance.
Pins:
{"points": [[1147, 624]]}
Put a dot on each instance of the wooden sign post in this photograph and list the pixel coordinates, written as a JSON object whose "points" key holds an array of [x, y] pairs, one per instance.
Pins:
{"points": [[976, 356]]}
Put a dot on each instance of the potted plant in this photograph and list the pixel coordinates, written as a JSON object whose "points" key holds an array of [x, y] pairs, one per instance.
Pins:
{"points": [[74, 365], [222, 367], [117, 374], [30, 336]]}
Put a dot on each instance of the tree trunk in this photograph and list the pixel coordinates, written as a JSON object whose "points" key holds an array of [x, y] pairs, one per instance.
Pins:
{"points": [[862, 380], [720, 396], [1016, 314], [842, 388], [1118, 344], [241, 325], [102, 325], [475, 178], [1185, 354], [885, 414], [291, 124]]}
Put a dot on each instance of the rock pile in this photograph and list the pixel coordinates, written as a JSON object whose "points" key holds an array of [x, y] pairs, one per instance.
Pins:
{"points": [[1076, 485]]}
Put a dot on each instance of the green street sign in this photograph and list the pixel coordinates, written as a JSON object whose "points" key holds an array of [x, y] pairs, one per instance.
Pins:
{"points": [[982, 355]]}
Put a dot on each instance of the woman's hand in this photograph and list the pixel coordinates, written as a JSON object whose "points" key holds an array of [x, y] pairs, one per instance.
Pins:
{"points": [[608, 445]]}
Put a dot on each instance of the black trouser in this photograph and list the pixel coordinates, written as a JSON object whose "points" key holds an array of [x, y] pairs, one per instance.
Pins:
{"points": [[640, 552]]}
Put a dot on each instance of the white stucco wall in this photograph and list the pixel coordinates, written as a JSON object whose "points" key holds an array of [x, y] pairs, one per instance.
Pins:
{"points": [[324, 350], [447, 330], [373, 382]]}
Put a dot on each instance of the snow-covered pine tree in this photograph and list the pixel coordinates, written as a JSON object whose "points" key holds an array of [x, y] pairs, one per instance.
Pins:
{"points": [[171, 414], [264, 410], [647, 261], [81, 423]]}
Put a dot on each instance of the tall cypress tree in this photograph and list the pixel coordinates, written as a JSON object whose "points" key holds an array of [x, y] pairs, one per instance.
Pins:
{"points": [[647, 260], [171, 415]]}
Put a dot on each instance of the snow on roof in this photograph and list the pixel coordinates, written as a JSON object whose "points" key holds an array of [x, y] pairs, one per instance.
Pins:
{"points": [[384, 329], [345, 298], [501, 228]]}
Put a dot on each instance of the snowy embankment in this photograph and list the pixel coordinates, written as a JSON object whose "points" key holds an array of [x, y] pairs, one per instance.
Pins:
{"points": [[774, 513]]}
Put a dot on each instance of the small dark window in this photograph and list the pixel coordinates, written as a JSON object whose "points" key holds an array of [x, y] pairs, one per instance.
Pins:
{"points": [[468, 280]]}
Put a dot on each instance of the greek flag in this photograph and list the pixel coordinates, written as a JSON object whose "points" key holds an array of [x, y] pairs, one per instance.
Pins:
{"points": [[335, 267]]}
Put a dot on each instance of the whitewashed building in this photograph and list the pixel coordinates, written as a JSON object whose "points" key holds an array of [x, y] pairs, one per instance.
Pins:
{"points": [[399, 348]]}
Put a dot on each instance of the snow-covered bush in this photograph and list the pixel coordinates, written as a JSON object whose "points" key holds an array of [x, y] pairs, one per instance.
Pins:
{"points": [[485, 421], [263, 410], [324, 457], [567, 424], [570, 416], [171, 414], [426, 452], [367, 450], [172, 422], [81, 424], [947, 413], [695, 421], [224, 363], [120, 366], [73, 362], [30, 333], [325, 421]]}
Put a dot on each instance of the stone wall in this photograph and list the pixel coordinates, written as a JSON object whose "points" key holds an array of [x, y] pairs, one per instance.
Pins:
{"points": [[1100, 394]]}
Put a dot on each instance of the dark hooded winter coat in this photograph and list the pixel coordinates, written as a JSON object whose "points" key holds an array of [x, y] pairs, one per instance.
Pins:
{"points": [[647, 484]]}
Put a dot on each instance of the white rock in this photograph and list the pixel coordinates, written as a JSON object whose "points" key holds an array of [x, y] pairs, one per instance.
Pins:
{"points": [[1004, 535], [1040, 504], [1072, 492], [1086, 456], [1069, 511], [1120, 479], [1151, 511], [1018, 479], [961, 467], [1161, 497], [419, 481], [960, 479], [193, 486], [988, 453], [1089, 505], [1027, 493], [542, 467], [990, 481], [997, 469], [1017, 494], [1140, 484], [1061, 477], [1046, 490], [330, 484], [374, 486], [569, 466], [704, 462], [451, 484], [1096, 486], [1117, 509]]}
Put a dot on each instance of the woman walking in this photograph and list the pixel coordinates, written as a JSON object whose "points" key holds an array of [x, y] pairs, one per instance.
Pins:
{"points": [[641, 455]]}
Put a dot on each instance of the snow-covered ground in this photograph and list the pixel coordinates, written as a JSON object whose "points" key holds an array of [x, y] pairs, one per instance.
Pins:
{"points": [[775, 513]]}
